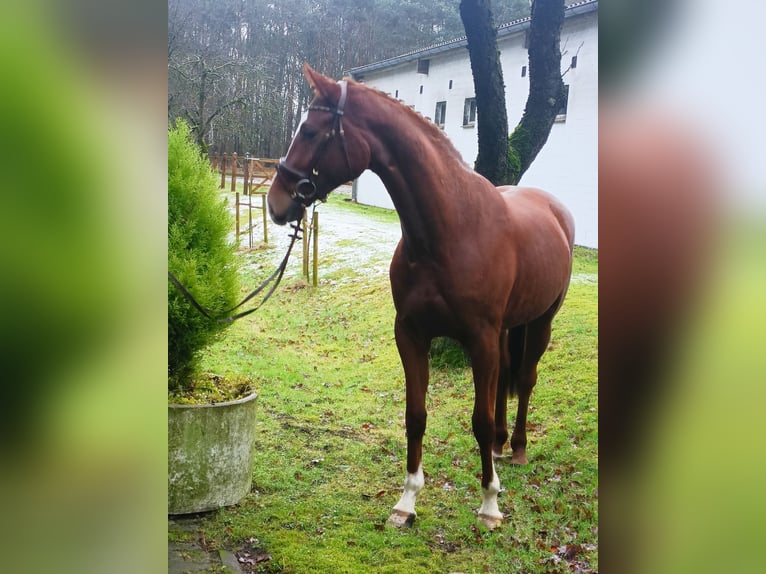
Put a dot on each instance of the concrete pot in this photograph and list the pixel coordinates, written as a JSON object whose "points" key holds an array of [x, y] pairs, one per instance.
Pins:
{"points": [[210, 454]]}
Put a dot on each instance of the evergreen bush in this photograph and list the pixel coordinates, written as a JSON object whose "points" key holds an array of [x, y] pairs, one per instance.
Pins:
{"points": [[199, 255]]}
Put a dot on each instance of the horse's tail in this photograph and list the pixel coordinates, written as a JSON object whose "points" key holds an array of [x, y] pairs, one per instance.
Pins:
{"points": [[517, 342]]}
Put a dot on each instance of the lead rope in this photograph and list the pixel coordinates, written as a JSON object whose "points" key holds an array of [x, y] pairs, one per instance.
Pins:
{"points": [[278, 273]]}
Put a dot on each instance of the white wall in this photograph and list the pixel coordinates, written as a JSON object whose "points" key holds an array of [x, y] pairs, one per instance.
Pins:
{"points": [[568, 164]]}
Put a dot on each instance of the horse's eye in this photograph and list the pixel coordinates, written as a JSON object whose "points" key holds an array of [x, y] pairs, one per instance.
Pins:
{"points": [[308, 133]]}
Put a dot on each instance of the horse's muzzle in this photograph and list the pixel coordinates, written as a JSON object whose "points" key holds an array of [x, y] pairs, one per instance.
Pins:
{"points": [[294, 212]]}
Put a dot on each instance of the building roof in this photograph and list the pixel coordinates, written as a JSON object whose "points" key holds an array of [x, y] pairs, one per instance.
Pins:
{"points": [[507, 29]]}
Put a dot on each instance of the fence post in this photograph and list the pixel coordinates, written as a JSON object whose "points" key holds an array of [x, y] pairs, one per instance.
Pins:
{"points": [[250, 221], [223, 171], [305, 248], [315, 228], [265, 218], [234, 171], [236, 217], [246, 190]]}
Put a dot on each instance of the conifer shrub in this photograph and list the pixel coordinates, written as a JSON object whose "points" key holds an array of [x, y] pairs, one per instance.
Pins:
{"points": [[199, 255]]}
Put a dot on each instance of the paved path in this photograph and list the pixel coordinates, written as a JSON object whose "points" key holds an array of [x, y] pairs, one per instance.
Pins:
{"points": [[188, 557]]}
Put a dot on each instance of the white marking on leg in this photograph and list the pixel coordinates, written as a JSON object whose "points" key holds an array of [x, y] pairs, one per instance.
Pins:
{"points": [[489, 497], [412, 486]]}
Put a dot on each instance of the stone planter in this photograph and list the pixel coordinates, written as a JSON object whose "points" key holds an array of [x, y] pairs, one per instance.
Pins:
{"points": [[210, 454]]}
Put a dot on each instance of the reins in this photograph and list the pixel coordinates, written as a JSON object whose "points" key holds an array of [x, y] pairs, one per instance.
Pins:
{"points": [[305, 192], [225, 315]]}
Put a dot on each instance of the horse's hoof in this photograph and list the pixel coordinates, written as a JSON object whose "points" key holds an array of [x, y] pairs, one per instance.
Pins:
{"points": [[519, 458], [400, 519], [491, 522]]}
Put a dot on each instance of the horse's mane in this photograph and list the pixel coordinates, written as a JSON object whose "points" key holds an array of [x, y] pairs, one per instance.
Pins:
{"points": [[430, 129]]}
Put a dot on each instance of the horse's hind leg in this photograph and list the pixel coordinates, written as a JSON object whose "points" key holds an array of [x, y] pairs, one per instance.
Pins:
{"points": [[414, 355], [501, 401], [524, 375]]}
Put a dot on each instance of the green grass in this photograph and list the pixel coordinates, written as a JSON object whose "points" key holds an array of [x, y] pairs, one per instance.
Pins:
{"points": [[343, 201], [331, 445]]}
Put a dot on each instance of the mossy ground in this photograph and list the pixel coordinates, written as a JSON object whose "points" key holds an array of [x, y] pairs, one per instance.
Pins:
{"points": [[332, 450]]}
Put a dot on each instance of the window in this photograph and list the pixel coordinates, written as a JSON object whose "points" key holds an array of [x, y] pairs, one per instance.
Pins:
{"points": [[440, 114], [561, 115], [574, 62], [469, 112], [423, 66], [421, 88], [397, 94], [523, 71], [450, 84]]}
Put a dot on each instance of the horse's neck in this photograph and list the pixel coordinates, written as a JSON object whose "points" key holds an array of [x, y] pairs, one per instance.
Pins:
{"points": [[420, 190], [418, 229]]}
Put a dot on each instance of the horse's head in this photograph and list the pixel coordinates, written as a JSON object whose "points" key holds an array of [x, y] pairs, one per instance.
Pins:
{"points": [[322, 155]]}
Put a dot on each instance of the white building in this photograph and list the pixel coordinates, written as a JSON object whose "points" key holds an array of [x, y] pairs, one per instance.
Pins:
{"points": [[438, 83]]}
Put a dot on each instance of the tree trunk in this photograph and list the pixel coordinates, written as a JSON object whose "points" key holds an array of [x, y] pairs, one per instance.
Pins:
{"points": [[503, 159], [546, 88], [492, 121]]}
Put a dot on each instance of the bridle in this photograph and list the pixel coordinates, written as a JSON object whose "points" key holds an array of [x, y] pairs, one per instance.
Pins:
{"points": [[305, 190]]}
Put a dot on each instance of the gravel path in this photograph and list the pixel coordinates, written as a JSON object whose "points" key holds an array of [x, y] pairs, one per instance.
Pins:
{"points": [[346, 240]]}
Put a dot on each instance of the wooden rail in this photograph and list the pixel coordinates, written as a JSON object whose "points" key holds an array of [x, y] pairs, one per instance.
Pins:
{"points": [[255, 176]]}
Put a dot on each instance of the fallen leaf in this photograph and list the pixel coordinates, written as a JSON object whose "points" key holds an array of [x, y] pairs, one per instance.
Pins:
{"points": [[571, 550]]}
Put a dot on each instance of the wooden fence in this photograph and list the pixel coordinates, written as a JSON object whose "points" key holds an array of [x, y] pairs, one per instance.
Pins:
{"points": [[252, 175], [255, 175]]}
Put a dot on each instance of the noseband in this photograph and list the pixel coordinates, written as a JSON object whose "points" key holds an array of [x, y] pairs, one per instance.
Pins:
{"points": [[305, 191]]}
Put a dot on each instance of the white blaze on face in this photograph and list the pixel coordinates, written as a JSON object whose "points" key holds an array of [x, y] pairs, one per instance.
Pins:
{"points": [[295, 135]]}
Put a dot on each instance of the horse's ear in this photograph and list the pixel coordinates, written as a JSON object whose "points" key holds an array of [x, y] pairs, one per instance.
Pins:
{"points": [[321, 84]]}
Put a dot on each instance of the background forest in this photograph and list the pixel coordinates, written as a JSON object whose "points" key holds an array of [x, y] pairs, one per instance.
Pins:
{"points": [[234, 66]]}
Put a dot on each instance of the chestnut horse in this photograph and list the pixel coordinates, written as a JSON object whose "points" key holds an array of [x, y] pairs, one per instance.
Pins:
{"points": [[486, 266]]}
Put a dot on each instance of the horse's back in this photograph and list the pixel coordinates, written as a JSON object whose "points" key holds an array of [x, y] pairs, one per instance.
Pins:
{"points": [[531, 210]]}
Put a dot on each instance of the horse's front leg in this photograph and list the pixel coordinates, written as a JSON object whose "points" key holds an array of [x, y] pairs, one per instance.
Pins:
{"points": [[485, 358], [414, 354]]}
